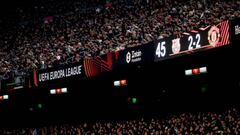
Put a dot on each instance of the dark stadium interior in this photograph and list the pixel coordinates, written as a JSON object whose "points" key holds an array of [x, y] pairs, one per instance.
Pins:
{"points": [[98, 42], [161, 88]]}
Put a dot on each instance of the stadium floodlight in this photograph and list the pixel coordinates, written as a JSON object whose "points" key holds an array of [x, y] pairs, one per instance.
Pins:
{"points": [[52, 91], [5, 97], [203, 70], [195, 71], [64, 90], [58, 91], [188, 72], [116, 83]]}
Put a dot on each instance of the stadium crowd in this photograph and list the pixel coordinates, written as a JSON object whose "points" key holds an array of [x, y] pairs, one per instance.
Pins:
{"points": [[66, 32], [204, 123]]}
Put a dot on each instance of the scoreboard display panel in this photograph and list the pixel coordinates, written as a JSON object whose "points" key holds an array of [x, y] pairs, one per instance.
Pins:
{"points": [[221, 34], [134, 55], [53, 76], [235, 31], [202, 39]]}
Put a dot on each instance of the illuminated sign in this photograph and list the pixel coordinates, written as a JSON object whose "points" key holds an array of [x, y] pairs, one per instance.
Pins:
{"points": [[133, 56], [61, 73], [58, 91], [202, 39], [237, 30], [196, 71]]}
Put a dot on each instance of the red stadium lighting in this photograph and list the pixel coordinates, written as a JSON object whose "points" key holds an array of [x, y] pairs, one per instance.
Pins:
{"points": [[4, 97], [120, 83], [196, 71], [58, 91], [123, 82], [129, 100]]}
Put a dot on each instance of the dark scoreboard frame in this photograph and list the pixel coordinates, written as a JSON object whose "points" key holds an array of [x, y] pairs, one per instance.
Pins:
{"points": [[196, 40], [186, 43]]}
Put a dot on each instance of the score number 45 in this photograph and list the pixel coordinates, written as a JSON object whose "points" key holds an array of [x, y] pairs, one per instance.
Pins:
{"points": [[161, 49]]}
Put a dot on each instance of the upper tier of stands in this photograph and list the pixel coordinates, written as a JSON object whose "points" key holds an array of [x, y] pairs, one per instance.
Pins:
{"points": [[57, 33]]}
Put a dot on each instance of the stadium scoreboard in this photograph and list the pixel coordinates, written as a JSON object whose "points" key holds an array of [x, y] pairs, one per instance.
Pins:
{"points": [[196, 40], [214, 36]]}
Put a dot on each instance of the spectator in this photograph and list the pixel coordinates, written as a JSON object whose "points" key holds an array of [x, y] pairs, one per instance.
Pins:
{"points": [[186, 123], [69, 31]]}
